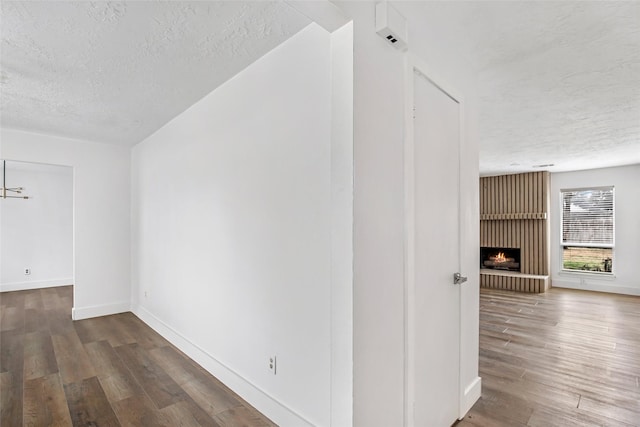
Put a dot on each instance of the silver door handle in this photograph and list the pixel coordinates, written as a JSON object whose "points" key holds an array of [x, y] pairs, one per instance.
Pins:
{"points": [[458, 279]]}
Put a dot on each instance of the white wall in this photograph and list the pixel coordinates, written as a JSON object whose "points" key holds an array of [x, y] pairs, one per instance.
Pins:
{"points": [[101, 212], [626, 181], [232, 230], [249, 165], [379, 207], [37, 233]]}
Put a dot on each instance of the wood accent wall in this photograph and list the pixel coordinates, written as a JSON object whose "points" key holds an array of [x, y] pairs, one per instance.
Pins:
{"points": [[514, 213]]}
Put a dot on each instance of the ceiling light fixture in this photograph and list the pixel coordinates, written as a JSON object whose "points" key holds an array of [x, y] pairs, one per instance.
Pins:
{"points": [[548, 165], [13, 190]]}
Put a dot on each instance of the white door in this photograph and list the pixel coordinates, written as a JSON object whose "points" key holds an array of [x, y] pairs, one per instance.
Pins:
{"points": [[435, 305]]}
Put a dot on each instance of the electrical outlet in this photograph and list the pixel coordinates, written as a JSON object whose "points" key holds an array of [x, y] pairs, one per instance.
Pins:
{"points": [[27, 271], [273, 365], [146, 294]]}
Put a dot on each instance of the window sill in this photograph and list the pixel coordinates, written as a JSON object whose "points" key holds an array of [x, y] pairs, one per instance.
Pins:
{"points": [[600, 275]]}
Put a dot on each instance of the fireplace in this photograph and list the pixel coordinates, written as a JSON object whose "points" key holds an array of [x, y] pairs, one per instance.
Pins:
{"points": [[500, 258]]}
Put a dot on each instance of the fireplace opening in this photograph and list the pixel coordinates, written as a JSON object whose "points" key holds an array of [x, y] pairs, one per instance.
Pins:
{"points": [[500, 258]]}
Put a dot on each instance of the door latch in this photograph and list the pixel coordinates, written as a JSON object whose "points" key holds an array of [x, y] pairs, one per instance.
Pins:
{"points": [[458, 279]]}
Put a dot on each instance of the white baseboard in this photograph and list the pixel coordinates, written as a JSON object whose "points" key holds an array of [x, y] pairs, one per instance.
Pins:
{"points": [[79, 313], [596, 287], [263, 402], [472, 393], [38, 284]]}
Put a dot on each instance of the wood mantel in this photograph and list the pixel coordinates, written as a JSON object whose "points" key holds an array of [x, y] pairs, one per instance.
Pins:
{"points": [[514, 213]]}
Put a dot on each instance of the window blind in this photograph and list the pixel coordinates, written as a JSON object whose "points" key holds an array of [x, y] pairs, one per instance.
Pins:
{"points": [[588, 217]]}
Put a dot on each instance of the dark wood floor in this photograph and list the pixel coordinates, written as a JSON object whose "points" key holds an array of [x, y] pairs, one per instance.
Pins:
{"points": [[562, 358], [107, 371]]}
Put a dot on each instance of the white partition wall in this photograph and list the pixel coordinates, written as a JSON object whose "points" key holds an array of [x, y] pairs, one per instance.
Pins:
{"points": [[379, 226], [242, 231]]}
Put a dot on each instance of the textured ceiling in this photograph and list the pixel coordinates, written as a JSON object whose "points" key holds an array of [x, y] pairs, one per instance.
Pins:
{"points": [[115, 72], [559, 83]]}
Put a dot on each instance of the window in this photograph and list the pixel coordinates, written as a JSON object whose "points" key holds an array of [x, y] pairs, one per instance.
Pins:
{"points": [[588, 229]]}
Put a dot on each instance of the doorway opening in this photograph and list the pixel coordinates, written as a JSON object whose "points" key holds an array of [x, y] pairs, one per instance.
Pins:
{"points": [[37, 232]]}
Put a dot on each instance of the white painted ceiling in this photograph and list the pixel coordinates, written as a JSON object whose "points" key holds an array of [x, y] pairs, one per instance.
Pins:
{"points": [[559, 84], [115, 72], [559, 81]]}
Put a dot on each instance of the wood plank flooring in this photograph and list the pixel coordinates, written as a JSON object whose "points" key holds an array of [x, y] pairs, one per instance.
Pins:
{"points": [[562, 358], [107, 371]]}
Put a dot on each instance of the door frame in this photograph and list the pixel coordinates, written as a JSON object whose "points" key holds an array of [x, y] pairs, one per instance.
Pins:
{"points": [[414, 64]]}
